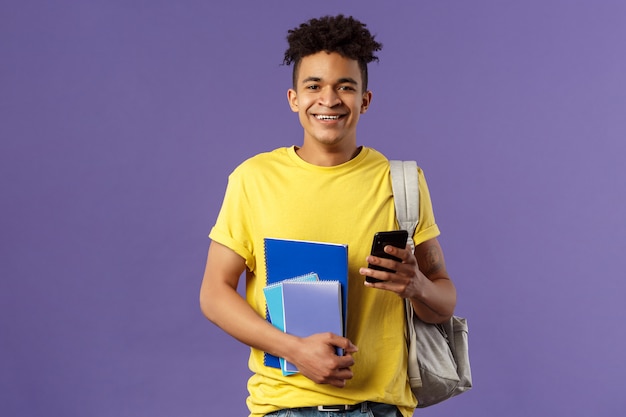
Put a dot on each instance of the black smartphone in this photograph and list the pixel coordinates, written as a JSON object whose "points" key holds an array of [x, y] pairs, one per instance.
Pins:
{"points": [[395, 238]]}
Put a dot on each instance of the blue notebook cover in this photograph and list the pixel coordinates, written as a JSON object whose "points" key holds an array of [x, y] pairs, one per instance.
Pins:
{"points": [[286, 258], [311, 307]]}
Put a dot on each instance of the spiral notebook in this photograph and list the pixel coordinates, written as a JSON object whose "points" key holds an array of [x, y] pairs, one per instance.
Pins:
{"points": [[311, 307], [274, 298], [286, 258]]}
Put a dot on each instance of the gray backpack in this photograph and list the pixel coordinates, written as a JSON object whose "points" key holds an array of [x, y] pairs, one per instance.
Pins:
{"points": [[438, 361]]}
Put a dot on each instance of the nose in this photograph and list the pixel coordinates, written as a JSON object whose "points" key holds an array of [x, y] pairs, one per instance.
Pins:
{"points": [[329, 97]]}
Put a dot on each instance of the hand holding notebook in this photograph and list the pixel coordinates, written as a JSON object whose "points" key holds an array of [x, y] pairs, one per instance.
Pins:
{"points": [[311, 307], [286, 258]]}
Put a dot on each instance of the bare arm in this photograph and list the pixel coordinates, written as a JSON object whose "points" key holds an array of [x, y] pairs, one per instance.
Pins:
{"points": [[421, 277], [221, 303]]}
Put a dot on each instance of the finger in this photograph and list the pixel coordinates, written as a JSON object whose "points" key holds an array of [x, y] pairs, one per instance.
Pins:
{"points": [[343, 343], [345, 362], [386, 265], [344, 373], [404, 254], [339, 383], [377, 261], [351, 348], [379, 276], [340, 378]]}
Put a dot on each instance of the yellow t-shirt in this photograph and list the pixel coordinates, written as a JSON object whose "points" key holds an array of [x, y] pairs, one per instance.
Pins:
{"points": [[277, 194]]}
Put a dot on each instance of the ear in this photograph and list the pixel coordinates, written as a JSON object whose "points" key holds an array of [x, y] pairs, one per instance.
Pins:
{"points": [[292, 98], [366, 100]]}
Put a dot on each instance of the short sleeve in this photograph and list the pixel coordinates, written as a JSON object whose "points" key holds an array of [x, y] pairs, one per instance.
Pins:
{"points": [[232, 227], [426, 227]]}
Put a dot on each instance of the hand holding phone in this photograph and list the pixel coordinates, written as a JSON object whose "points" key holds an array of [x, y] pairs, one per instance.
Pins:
{"points": [[395, 238]]}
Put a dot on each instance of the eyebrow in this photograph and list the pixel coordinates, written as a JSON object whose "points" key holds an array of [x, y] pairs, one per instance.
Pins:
{"points": [[339, 81]]}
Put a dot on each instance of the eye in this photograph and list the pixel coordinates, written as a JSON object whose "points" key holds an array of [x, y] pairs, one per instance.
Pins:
{"points": [[312, 87], [346, 88]]}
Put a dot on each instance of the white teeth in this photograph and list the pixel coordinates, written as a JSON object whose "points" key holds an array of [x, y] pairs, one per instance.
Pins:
{"points": [[324, 117]]}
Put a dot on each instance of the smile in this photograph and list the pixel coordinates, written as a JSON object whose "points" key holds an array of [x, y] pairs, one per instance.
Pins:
{"points": [[326, 117]]}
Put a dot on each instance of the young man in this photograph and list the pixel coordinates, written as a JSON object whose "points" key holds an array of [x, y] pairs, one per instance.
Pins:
{"points": [[330, 190]]}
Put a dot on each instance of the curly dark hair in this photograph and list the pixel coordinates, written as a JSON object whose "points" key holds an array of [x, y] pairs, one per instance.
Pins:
{"points": [[343, 35]]}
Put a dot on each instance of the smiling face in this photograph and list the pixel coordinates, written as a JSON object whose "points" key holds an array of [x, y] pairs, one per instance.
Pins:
{"points": [[329, 99]]}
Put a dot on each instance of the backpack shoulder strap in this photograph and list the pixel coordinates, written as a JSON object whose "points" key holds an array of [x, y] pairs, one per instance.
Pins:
{"points": [[405, 185]]}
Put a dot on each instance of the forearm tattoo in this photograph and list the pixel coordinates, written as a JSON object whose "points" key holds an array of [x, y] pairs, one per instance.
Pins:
{"points": [[433, 260]]}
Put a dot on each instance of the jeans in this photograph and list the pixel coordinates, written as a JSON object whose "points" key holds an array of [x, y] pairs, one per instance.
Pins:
{"points": [[370, 410]]}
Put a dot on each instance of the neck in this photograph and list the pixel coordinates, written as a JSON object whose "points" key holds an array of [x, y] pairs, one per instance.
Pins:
{"points": [[327, 157]]}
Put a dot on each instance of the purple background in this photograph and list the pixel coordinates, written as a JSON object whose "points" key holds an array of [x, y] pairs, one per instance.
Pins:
{"points": [[120, 121]]}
